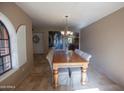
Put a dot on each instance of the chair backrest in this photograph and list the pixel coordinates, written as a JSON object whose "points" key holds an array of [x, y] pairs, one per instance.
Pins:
{"points": [[86, 56], [79, 52], [49, 57], [76, 51], [83, 54]]}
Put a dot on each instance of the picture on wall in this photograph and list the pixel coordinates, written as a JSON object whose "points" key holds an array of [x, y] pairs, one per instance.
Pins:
{"points": [[55, 40]]}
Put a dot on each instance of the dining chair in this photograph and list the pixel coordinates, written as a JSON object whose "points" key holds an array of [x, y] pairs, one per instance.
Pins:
{"points": [[76, 72], [83, 54], [79, 52], [86, 56], [62, 72], [76, 51], [75, 75]]}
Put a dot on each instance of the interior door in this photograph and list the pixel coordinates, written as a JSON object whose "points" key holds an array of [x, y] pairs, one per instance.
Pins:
{"points": [[38, 43]]}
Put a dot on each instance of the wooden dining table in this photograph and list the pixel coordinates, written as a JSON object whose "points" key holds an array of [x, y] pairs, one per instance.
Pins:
{"points": [[61, 59]]}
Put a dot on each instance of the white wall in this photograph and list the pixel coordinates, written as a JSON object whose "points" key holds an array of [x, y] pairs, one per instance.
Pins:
{"points": [[21, 45]]}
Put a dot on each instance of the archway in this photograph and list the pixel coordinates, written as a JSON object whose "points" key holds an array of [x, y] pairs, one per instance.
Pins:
{"points": [[13, 39]]}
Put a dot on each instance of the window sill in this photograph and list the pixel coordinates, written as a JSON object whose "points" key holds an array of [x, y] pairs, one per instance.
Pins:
{"points": [[7, 74]]}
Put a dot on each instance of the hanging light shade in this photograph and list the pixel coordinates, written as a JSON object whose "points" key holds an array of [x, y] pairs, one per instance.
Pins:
{"points": [[66, 32]]}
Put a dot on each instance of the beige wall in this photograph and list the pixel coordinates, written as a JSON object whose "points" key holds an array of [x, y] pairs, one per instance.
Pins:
{"points": [[105, 41], [18, 17]]}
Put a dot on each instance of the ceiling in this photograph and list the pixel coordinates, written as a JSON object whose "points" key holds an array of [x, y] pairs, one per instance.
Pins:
{"points": [[81, 14]]}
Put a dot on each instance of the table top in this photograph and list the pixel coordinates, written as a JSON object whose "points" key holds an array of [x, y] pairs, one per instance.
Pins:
{"points": [[71, 57]]}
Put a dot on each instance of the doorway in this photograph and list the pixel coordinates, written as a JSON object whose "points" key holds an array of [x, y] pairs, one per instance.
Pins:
{"points": [[38, 43]]}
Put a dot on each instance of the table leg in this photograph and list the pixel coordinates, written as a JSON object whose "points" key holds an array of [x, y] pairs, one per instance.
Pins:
{"points": [[83, 75], [55, 77]]}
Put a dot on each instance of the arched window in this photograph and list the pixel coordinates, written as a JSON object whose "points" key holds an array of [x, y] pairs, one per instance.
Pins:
{"points": [[5, 53]]}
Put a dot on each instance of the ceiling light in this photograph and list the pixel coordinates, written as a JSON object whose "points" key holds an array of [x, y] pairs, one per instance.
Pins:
{"points": [[66, 32]]}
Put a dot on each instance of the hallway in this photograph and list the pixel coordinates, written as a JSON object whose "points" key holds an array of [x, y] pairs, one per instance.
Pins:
{"points": [[39, 79]]}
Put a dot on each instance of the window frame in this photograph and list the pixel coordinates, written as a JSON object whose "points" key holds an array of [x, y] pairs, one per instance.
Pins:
{"points": [[8, 54]]}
